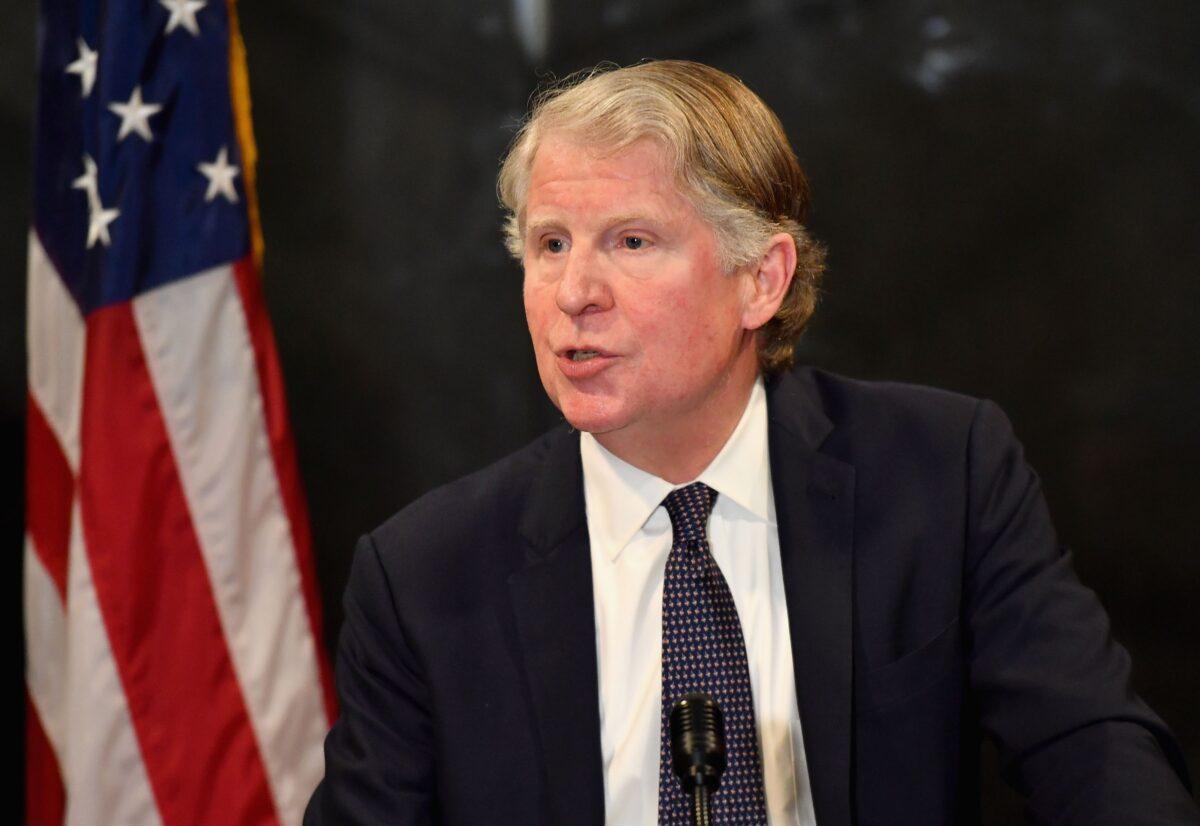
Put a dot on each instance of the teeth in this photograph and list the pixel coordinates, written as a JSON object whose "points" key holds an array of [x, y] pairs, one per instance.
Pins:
{"points": [[583, 355]]}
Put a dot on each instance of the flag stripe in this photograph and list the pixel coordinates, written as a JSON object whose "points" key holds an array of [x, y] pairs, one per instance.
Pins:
{"points": [[202, 365], [49, 489], [283, 454], [184, 700], [45, 636], [70, 674], [54, 338], [44, 796], [45, 675], [101, 763]]}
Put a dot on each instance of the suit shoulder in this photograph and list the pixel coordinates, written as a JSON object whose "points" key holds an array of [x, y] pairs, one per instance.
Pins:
{"points": [[478, 509], [893, 416], [848, 395]]}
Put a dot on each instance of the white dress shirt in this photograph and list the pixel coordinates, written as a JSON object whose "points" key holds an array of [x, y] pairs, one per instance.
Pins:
{"points": [[630, 535]]}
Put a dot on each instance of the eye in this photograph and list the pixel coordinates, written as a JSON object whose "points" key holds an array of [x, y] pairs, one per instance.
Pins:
{"points": [[633, 242], [555, 245]]}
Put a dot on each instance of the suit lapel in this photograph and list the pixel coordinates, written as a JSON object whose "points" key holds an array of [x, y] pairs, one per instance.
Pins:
{"points": [[814, 504], [552, 603]]}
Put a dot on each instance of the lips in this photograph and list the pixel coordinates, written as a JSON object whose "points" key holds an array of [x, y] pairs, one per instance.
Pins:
{"points": [[583, 362]]}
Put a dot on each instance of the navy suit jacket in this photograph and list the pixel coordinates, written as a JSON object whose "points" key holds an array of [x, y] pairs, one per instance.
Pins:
{"points": [[929, 603]]}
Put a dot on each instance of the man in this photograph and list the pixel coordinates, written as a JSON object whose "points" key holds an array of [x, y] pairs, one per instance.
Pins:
{"points": [[863, 575]]}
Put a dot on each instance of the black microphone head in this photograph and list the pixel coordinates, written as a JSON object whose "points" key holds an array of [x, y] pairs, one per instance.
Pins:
{"points": [[698, 742]]}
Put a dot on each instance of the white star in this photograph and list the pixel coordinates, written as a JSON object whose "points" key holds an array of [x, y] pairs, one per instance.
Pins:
{"points": [[98, 221], [84, 66], [183, 13], [88, 180], [135, 115], [220, 174], [98, 217]]}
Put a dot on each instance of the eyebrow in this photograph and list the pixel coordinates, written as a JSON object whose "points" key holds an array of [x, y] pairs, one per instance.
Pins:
{"points": [[615, 220], [541, 224]]}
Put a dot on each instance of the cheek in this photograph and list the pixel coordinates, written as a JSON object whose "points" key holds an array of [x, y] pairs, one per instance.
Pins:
{"points": [[536, 311], [679, 322]]}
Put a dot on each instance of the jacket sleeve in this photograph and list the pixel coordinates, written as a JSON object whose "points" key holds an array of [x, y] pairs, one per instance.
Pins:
{"points": [[1053, 687], [379, 754]]}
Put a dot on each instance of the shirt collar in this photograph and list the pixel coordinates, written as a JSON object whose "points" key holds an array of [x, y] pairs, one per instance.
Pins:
{"points": [[741, 472], [620, 497]]}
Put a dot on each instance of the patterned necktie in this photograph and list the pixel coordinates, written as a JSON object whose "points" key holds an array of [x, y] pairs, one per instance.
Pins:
{"points": [[703, 650]]}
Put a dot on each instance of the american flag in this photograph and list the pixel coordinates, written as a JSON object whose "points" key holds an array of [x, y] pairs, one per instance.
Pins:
{"points": [[174, 669]]}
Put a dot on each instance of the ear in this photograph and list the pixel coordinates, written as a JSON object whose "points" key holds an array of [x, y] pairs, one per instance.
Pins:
{"points": [[768, 280]]}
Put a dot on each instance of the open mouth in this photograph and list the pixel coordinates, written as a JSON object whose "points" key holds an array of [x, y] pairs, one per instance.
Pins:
{"points": [[582, 355]]}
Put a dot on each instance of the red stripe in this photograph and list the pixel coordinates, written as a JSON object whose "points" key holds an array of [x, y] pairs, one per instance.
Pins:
{"points": [[49, 488], [283, 451], [155, 597], [45, 800]]}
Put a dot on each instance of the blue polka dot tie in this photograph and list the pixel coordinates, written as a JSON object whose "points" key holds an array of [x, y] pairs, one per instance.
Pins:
{"points": [[703, 650]]}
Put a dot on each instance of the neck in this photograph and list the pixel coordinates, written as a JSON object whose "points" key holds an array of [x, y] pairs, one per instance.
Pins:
{"points": [[681, 452]]}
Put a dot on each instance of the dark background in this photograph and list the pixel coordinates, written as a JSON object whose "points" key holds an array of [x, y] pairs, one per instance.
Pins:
{"points": [[1009, 191]]}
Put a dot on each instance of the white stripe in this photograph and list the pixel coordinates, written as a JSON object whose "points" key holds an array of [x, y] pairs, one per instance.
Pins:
{"points": [[201, 362], [55, 335], [102, 766], [46, 644]]}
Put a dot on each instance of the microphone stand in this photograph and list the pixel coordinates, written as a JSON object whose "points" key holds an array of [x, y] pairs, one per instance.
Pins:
{"points": [[701, 813]]}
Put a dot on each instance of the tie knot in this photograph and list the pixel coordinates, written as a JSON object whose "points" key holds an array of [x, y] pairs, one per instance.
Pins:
{"points": [[689, 509]]}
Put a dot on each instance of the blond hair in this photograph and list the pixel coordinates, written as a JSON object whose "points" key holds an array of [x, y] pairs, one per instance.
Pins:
{"points": [[730, 155]]}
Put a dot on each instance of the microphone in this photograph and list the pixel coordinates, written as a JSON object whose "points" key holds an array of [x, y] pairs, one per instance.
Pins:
{"points": [[698, 750]]}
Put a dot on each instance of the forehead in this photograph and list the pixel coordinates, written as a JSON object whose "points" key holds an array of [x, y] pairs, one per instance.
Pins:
{"points": [[568, 173], [559, 149]]}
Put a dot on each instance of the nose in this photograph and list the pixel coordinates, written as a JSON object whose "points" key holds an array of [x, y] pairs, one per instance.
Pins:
{"points": [[583, 286]]}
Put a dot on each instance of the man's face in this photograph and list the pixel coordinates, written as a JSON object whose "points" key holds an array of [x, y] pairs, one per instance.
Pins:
{"points": [[637, 330]]}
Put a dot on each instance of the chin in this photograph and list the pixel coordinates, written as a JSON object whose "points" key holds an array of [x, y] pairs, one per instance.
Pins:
{"points": [[589, 416]]}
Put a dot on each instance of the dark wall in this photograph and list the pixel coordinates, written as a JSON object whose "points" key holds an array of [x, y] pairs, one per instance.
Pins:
{"points": [[16, 112], [1009, 192]]}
